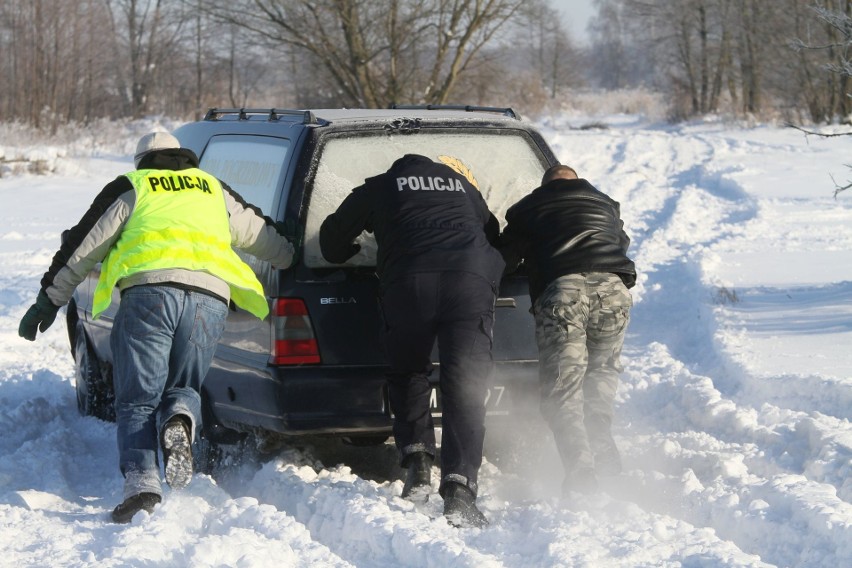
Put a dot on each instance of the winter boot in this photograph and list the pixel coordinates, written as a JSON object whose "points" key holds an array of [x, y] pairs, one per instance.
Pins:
{"points": [[418, 481], [132, 505], [607, 457], [176, 444], [582, 480], [608, 463], [460, 507]]}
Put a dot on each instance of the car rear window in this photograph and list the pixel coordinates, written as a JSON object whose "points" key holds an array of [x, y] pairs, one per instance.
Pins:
{"points": [[507, 165], [252, 165]]}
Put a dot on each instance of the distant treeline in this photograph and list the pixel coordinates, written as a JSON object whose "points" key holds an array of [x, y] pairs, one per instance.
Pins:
{"points": [[79, 61], [744, 57]]}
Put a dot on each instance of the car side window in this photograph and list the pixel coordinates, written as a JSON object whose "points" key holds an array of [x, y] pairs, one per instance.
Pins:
{"points": [[252, 165], [506, 164]]}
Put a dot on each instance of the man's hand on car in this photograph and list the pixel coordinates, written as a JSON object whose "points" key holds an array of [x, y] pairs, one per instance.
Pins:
{"points": [[294, 233]]}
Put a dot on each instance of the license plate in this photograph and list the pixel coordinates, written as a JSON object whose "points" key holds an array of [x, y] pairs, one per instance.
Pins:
{"points": [[496, 401]]}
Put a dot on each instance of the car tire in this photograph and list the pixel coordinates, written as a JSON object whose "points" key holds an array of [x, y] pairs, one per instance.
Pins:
{"points": [[95, 392]]}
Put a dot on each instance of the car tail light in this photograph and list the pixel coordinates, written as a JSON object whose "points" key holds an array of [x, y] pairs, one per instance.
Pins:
{"points": [[294, 342]]}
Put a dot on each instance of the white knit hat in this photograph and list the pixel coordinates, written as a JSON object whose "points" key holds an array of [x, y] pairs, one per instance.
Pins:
{"points": [[152, 142]]}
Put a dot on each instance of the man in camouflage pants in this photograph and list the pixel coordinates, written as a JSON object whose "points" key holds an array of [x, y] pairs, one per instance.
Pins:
{"points": [[571, 239]]}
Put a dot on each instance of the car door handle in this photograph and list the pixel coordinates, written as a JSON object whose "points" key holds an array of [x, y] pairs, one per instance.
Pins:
{"points": [[506, 303]]}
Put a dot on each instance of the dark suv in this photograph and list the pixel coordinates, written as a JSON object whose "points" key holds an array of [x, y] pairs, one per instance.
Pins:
{"points": [[316, 365]]}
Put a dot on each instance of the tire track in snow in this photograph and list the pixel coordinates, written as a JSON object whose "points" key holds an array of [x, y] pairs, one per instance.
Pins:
{"points": [[368, 524], [53, 471], [708, 487], [725, 466], [358, 519]]}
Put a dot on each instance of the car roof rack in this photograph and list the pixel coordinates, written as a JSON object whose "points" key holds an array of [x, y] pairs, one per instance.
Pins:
{"points": [[468, 108], [272, 113]]}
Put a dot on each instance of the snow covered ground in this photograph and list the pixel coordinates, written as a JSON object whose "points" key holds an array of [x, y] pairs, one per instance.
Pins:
{"points": [[733, 415]]}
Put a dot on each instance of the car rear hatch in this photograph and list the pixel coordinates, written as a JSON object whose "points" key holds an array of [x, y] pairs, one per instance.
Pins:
{"points": [[341, 300]]}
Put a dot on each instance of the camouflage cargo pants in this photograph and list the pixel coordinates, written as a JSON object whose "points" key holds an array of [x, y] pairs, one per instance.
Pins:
{"points": [[580, 323]]}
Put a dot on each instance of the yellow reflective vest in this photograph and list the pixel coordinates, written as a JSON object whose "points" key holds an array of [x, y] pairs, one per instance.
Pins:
{"points": [[179, 222]]}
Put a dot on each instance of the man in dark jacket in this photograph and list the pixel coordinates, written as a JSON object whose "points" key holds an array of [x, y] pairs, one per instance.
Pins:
{"points": [[165, 233], [571, 239], [439, 276]]}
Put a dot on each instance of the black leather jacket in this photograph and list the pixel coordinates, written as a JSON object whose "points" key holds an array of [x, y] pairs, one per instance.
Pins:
{"points": [[566, 227]]}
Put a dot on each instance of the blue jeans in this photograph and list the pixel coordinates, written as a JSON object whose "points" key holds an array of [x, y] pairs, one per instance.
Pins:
{"points": [[163, 341]]}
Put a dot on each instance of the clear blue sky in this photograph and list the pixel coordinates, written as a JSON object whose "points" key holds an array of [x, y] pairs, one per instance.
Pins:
{"points": [[575, 15]]}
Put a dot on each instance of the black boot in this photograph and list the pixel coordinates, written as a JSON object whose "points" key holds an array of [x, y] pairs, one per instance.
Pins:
{"points": [[460, 507], [176, 444], [132, 505], [418, 481]]}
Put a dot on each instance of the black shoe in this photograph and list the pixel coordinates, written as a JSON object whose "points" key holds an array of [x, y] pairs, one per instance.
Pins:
{"points": [[582, 481], [132, 505], [177, 452], [418, 481], [460, 507]]}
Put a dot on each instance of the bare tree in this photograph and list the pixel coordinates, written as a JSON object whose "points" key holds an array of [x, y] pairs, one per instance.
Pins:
{"points": [[65, 61], [546, 47], [823, 54], [609, 53], [146, 34], [47, 67], [838, 17], [27, 71], [715, 55], [693, 37], [374, 53]]}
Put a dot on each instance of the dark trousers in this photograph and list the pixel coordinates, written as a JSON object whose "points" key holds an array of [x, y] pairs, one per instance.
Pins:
{"points": [[457, 309]]}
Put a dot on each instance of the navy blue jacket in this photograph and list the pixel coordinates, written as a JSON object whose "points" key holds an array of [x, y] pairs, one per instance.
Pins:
{"points": [[425, 217]]}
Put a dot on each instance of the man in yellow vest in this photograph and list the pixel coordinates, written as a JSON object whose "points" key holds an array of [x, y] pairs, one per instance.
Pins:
{"points": [[164, 233]]}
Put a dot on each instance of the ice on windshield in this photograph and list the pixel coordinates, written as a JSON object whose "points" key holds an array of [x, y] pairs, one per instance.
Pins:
{"points": [[506, 166]]}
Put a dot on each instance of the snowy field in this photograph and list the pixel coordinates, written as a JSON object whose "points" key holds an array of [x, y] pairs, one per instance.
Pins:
{"points": [[733, 415]]}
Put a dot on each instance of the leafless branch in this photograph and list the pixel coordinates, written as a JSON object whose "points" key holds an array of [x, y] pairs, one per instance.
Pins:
{"points": [[837, 187], [814, 133]]}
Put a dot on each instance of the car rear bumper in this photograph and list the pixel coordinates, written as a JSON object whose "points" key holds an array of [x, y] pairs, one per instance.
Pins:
{"points": [[342, 400]]}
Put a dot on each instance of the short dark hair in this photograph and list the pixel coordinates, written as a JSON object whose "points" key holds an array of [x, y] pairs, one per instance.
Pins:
{"points": [[559, 172]]}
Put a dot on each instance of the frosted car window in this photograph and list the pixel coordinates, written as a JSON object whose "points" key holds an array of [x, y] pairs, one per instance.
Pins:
{"points": [[506, 166], [251, 165]]}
